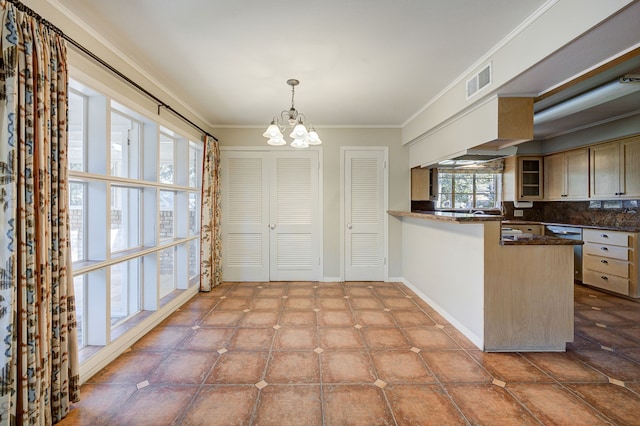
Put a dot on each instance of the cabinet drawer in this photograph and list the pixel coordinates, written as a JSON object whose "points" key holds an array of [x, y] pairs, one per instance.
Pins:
{"points": [[605, 250], [606, 266], [615, 238], [607, 282]]}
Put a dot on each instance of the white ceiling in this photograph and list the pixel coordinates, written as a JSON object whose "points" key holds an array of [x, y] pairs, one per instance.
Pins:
{"points": [[360, 62]]}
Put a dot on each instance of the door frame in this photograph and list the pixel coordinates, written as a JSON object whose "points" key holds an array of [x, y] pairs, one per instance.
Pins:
{"points": [[385, 151], [320, 225]]}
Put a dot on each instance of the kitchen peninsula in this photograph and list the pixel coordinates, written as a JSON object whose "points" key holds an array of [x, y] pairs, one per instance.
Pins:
{"points": [[503, 295]]}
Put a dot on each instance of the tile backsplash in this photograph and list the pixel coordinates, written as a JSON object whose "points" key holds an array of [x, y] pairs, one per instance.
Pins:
{"points": [[614, 213], [610, 213]]}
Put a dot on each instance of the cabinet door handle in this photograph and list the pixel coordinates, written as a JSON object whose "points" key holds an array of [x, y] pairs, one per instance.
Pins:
{"points": [[604, 277], [604, 248], [604, 261], [604, 235]]}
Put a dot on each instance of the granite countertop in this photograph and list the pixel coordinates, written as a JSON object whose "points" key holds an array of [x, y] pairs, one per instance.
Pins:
{"points": [[510, 240], [468, 217], [537, 240], [447, 216]]}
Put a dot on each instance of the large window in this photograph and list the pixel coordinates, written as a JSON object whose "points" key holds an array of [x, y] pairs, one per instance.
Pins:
{"points": [[468, 190], [134, 197]]}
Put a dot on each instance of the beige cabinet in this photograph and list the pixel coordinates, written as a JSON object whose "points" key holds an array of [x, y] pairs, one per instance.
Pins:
{"points": [[522, 178], [566, 175], [424, 184], [530, 174], [610, 261], [615, 169]]}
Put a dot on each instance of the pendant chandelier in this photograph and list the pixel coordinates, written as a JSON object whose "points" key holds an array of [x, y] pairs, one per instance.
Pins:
{"points": [[302, 138]]}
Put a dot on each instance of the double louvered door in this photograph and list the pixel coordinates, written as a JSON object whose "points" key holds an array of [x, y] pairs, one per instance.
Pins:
{"points": [[270, 215]]}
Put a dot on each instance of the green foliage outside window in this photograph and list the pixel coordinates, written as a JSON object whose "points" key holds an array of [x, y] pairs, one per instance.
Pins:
{"points": [[470, 190]]}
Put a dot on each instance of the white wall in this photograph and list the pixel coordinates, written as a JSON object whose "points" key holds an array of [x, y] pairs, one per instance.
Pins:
{"points": [[444, 263], [332, 140]]}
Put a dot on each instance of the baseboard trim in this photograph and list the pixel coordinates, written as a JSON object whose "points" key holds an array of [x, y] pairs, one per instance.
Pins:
{"points": [[475, 339]]}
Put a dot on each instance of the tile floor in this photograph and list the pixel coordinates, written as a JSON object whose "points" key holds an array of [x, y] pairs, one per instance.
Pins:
{"points": [[360, 353]]}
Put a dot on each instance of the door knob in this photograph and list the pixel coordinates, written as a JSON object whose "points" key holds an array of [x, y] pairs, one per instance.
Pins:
{"points": [[272, 226], [348, 226]]}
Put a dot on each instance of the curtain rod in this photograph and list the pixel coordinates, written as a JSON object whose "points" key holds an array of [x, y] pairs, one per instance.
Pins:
{"points": [[22, 7]]}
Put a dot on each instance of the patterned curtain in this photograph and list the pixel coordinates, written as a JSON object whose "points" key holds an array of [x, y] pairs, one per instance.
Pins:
{"points": [[39, 356], [210, 232]]}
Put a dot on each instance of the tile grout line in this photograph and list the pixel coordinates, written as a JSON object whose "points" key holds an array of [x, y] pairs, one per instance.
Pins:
{"points": [[201, 386], [373, 365], [254, 414], [320, 380]]}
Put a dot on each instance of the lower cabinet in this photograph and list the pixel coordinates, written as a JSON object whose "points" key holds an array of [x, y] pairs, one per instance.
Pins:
{"points": [[610, 261]]}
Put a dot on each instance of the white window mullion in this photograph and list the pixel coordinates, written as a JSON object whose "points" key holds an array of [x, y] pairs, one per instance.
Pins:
{"points": [[98, 330], [150, 282]]}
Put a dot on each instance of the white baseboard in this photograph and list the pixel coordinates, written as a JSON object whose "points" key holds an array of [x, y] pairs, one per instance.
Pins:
{"points": [[475, 339], [339, 279]]}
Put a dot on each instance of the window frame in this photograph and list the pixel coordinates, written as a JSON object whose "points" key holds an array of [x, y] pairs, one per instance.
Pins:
{"points": [[497, 177], [93, 272]]}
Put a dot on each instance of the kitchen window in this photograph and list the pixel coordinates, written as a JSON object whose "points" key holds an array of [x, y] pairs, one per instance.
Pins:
{"points": [[468, 190]]}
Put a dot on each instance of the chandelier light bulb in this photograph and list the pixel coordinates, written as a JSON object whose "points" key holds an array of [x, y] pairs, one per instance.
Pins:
{"points": [[272, 131], [314, 139], [299, 143], [299, 132], [277, 141]]}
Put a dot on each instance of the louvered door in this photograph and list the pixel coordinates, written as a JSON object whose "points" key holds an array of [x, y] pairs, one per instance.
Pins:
{"points": [[270, 215], [364, 234], [294, 252], [245, 216]]}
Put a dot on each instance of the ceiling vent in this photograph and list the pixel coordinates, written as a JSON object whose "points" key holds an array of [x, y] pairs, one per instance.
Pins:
{"points": [[479, 81]]}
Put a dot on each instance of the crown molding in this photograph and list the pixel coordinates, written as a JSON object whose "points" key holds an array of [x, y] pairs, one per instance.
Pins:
{"points": [[126, 59]]}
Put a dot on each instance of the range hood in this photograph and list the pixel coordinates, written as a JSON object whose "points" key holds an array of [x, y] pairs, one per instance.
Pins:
{"points": [[475, 156]]}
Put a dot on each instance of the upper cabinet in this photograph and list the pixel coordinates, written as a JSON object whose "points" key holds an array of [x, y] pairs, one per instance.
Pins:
{"points": [[424, 184], [522, 179], [530, 175], [566, 175], [615, 169]]}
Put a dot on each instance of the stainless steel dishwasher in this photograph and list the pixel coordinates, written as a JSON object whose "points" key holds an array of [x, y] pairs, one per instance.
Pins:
{"points": [[571, 233]]}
